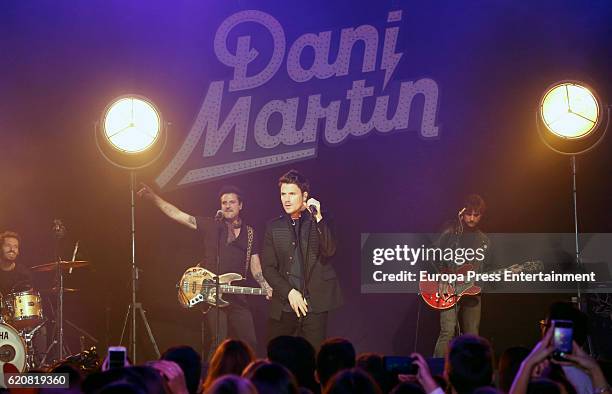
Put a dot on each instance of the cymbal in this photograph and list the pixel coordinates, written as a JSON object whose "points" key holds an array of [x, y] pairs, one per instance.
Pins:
{"points": [[56, 289], [64, 264]]}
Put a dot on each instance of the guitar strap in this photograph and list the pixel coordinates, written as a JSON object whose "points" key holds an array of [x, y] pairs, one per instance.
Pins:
{"points": [[249, 252]]}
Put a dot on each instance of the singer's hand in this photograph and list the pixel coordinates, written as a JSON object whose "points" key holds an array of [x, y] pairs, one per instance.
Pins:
{"points": [[317, 204], [297, 302]]}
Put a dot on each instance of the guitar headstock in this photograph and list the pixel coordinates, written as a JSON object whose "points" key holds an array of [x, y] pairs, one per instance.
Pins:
{"points": [[527, 266]]}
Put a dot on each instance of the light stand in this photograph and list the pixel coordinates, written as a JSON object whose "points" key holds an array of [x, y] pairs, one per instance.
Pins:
{"points": [[135, 306], [577, 244], [572, 114], [131, 135]]}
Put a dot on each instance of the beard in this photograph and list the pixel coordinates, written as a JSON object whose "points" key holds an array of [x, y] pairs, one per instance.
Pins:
{"points": [[9, 257]]}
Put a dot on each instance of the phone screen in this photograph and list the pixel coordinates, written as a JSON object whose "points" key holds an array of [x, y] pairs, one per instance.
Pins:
{"points": [[399, 365], [116, 359], [562, 336]]}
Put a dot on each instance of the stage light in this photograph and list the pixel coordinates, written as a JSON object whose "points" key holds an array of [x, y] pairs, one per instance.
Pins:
{"points": [[131, 124], [131, 133], [571, 119], [570, 110], [572, 113]]}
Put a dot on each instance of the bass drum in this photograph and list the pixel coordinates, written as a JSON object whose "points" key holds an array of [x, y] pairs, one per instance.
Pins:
{"points": [[12, 351]]}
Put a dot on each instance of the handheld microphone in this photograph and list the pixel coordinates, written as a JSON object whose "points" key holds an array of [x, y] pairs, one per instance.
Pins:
{"points": [[219, 215]]}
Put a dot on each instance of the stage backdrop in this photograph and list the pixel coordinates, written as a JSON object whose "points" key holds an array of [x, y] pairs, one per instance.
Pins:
{"points": [[394, 109]]}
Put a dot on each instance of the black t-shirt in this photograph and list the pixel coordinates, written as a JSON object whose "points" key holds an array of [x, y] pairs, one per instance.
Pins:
{"points": [[472, 238], [232, 256], [18, 279]]}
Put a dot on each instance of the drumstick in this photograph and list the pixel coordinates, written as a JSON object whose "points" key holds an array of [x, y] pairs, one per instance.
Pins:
{"points": [[74, 253]]}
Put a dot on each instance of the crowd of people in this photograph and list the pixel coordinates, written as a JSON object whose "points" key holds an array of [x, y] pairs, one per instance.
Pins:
{"points": [[293, 366]]}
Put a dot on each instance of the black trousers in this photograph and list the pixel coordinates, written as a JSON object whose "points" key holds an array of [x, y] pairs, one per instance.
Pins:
{"points": [[235, 321], [313, 327]]}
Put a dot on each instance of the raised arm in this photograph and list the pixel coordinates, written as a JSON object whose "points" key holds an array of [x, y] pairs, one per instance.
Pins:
{"points": [[170, 210], [539, 354]]}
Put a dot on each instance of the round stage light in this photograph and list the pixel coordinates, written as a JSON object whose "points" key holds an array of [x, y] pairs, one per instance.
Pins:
{"points": [[131, 124], [570, 110], [131, 132]]}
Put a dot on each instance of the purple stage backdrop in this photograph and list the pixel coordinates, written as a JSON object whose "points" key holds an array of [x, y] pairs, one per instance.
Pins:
{"points": [[394, 109]]}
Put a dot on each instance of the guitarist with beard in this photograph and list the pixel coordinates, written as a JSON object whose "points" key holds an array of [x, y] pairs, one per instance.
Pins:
{"points": [[237, 244], [464, 232]]}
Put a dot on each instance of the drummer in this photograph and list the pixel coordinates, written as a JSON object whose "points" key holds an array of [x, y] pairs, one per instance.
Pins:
{"points": [[13, 276]]}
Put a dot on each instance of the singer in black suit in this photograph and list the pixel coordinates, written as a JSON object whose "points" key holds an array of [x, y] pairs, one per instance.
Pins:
{"points": [[231, 236], [295, 261]]}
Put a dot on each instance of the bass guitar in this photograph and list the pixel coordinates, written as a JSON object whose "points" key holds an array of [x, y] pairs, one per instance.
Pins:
{"points": [[198, 285], [431, 293]]}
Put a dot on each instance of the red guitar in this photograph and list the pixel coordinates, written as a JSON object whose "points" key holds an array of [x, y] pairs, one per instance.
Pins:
{"points": [[430, 290]]}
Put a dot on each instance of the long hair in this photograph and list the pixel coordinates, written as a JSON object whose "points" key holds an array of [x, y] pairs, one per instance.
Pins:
{"points": [[230, 358], [475, 203]]}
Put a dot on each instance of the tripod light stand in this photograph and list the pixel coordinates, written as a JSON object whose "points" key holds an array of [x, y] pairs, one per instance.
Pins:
{"points": [[131, 135], [571, 121]]}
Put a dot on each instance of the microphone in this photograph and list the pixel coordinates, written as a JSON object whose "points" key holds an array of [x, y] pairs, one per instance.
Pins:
{"points": [[459, 226], [58, 228], [219, 215]]}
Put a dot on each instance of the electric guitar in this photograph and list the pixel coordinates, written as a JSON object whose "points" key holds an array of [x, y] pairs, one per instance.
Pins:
{"points": [[430, 290], [198, 285]]}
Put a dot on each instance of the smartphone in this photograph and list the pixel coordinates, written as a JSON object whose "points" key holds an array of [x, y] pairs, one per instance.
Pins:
{"points": [[117, 356], [400, 365], [563, 335]]}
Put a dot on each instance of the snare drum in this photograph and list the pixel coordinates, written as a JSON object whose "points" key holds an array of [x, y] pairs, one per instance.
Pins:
{"points": [[23, 310]]}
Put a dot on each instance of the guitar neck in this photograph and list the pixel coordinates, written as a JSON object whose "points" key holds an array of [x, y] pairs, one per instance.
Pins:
{"points": [[497, 272], [529, 266], [228, 289]]}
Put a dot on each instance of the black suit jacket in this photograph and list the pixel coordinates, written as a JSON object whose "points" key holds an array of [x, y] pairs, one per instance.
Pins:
{"points": [[322, 288]]}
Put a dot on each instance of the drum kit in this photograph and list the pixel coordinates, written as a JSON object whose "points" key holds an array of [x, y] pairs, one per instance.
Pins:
{"points": [[22, 318]]}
